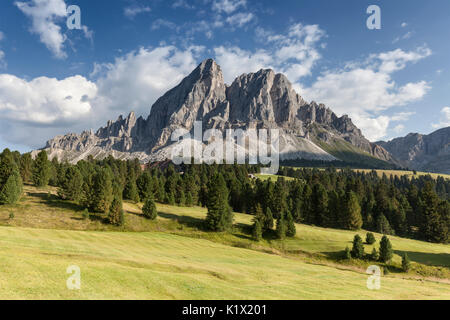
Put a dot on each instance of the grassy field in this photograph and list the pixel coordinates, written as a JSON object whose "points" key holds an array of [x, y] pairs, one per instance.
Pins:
{"points": [[173, 258]]}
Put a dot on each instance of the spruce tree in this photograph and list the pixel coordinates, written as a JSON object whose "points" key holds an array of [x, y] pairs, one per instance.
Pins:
{"points": [[383, 225], [370, 238], [347, 253], [386, 251], [268, 220], [406, 263], [352, 212], [181, 199], [11, 191], [219, 216], [116, 214], [101, 194], [26, 167], [144, 185], [291, 231], [358, 247], [130, 191], [41, 170], [71, 184], [281, 227], [189, 200], [256, 230], [149, 209], [170, 198]]}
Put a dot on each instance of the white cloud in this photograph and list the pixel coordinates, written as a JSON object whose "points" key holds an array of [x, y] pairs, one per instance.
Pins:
{"points": [[240, 19], [363, 91], [45, 100], [158, 23], [402, 116], [228, 6], [182, 4], [294, 54], [399, 128], [445, 119], [404, 25], [131, 12], [136, 80], [44, 15]]}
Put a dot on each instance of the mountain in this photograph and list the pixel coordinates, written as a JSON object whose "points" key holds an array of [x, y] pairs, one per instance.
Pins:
{"points": [[430, 153], [256, 100]]}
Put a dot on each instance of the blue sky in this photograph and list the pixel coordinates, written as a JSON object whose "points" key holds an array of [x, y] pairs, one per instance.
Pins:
{"points": [[54, 80]]}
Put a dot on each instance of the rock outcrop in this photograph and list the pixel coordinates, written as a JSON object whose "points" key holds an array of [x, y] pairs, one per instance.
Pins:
{"points": [[257, 100]]}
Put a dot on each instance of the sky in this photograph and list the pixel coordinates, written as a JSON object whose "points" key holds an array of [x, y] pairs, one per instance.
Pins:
{"points": [[125, 54]]}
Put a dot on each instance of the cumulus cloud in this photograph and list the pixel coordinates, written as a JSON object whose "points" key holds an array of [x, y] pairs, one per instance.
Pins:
{"points": [[363, 91], [46, 15], [294, 53], [445, 119]]}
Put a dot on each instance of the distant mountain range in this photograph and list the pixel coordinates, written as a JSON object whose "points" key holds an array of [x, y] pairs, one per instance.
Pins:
{"points": [[422, 152], [263, 99]]}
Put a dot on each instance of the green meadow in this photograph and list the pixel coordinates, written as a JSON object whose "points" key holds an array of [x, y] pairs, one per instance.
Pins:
{"points": [[174, 258]]}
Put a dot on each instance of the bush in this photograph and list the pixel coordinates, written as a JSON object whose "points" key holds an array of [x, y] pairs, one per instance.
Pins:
{"points": [[406, 263], [374, 256], [85, 214], [370, 238], [358, 247], [386, 251], [11, 216], [149, 209], [347, 254], [257, 231]]}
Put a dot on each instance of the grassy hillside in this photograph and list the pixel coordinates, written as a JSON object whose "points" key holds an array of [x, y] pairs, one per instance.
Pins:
{"points": [[173, 258]]}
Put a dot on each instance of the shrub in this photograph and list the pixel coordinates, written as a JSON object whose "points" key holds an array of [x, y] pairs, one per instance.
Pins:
{"points": [[149, 209], [85, 214], [11, 215], [374, 256], [347, 254], [370, 238], [406, 263], [257, 230], [386, 251]]}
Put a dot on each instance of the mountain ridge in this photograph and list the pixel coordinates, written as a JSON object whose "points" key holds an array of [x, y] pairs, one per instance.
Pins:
{"points": [[263, 99]]}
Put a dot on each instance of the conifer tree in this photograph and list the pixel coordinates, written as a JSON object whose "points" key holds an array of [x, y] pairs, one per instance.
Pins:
{"points": [[352, 212], [101, 194], [268, 220], [347, 253], [291, 231], [11, 191], [26, 167], [386, 251], [219, 216], [383, 225], [358, 247], [281, 227], [41, 170], [116, 214], [130, 191], [370, 238], [71, 184], [149, 209], [406, 263], [144, 185], [256, 230], [181, 199], [170, 198], [189, 200]]}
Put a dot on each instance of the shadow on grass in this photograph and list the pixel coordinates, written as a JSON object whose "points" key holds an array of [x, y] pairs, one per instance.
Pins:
{"points": [[187, 221], [431, 259], [55, 202]]}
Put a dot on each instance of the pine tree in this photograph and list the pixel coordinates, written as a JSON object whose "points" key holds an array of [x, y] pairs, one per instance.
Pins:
{"points": [[116, 214], [383, 225], [319, 206], [144, 185], [370, 238], [182, 199], [432, 227], [170, 199], [291, 231], [71, 184], [149, 209], [352, 212], [268, 220], [358, 248], [130, 191], [386, 251], [256, 230], [41, 170], [406, 263], [189, 200], [281, 227], [101, 194], [11, 191], [26, 167], [219, 216]]}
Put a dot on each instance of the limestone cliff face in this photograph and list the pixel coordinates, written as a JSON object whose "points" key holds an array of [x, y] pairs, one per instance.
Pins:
{"points": [[257, 100], [422, 152]]}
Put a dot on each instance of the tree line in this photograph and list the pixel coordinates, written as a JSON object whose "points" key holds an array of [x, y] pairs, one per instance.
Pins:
{"points": [[415, 207]]}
